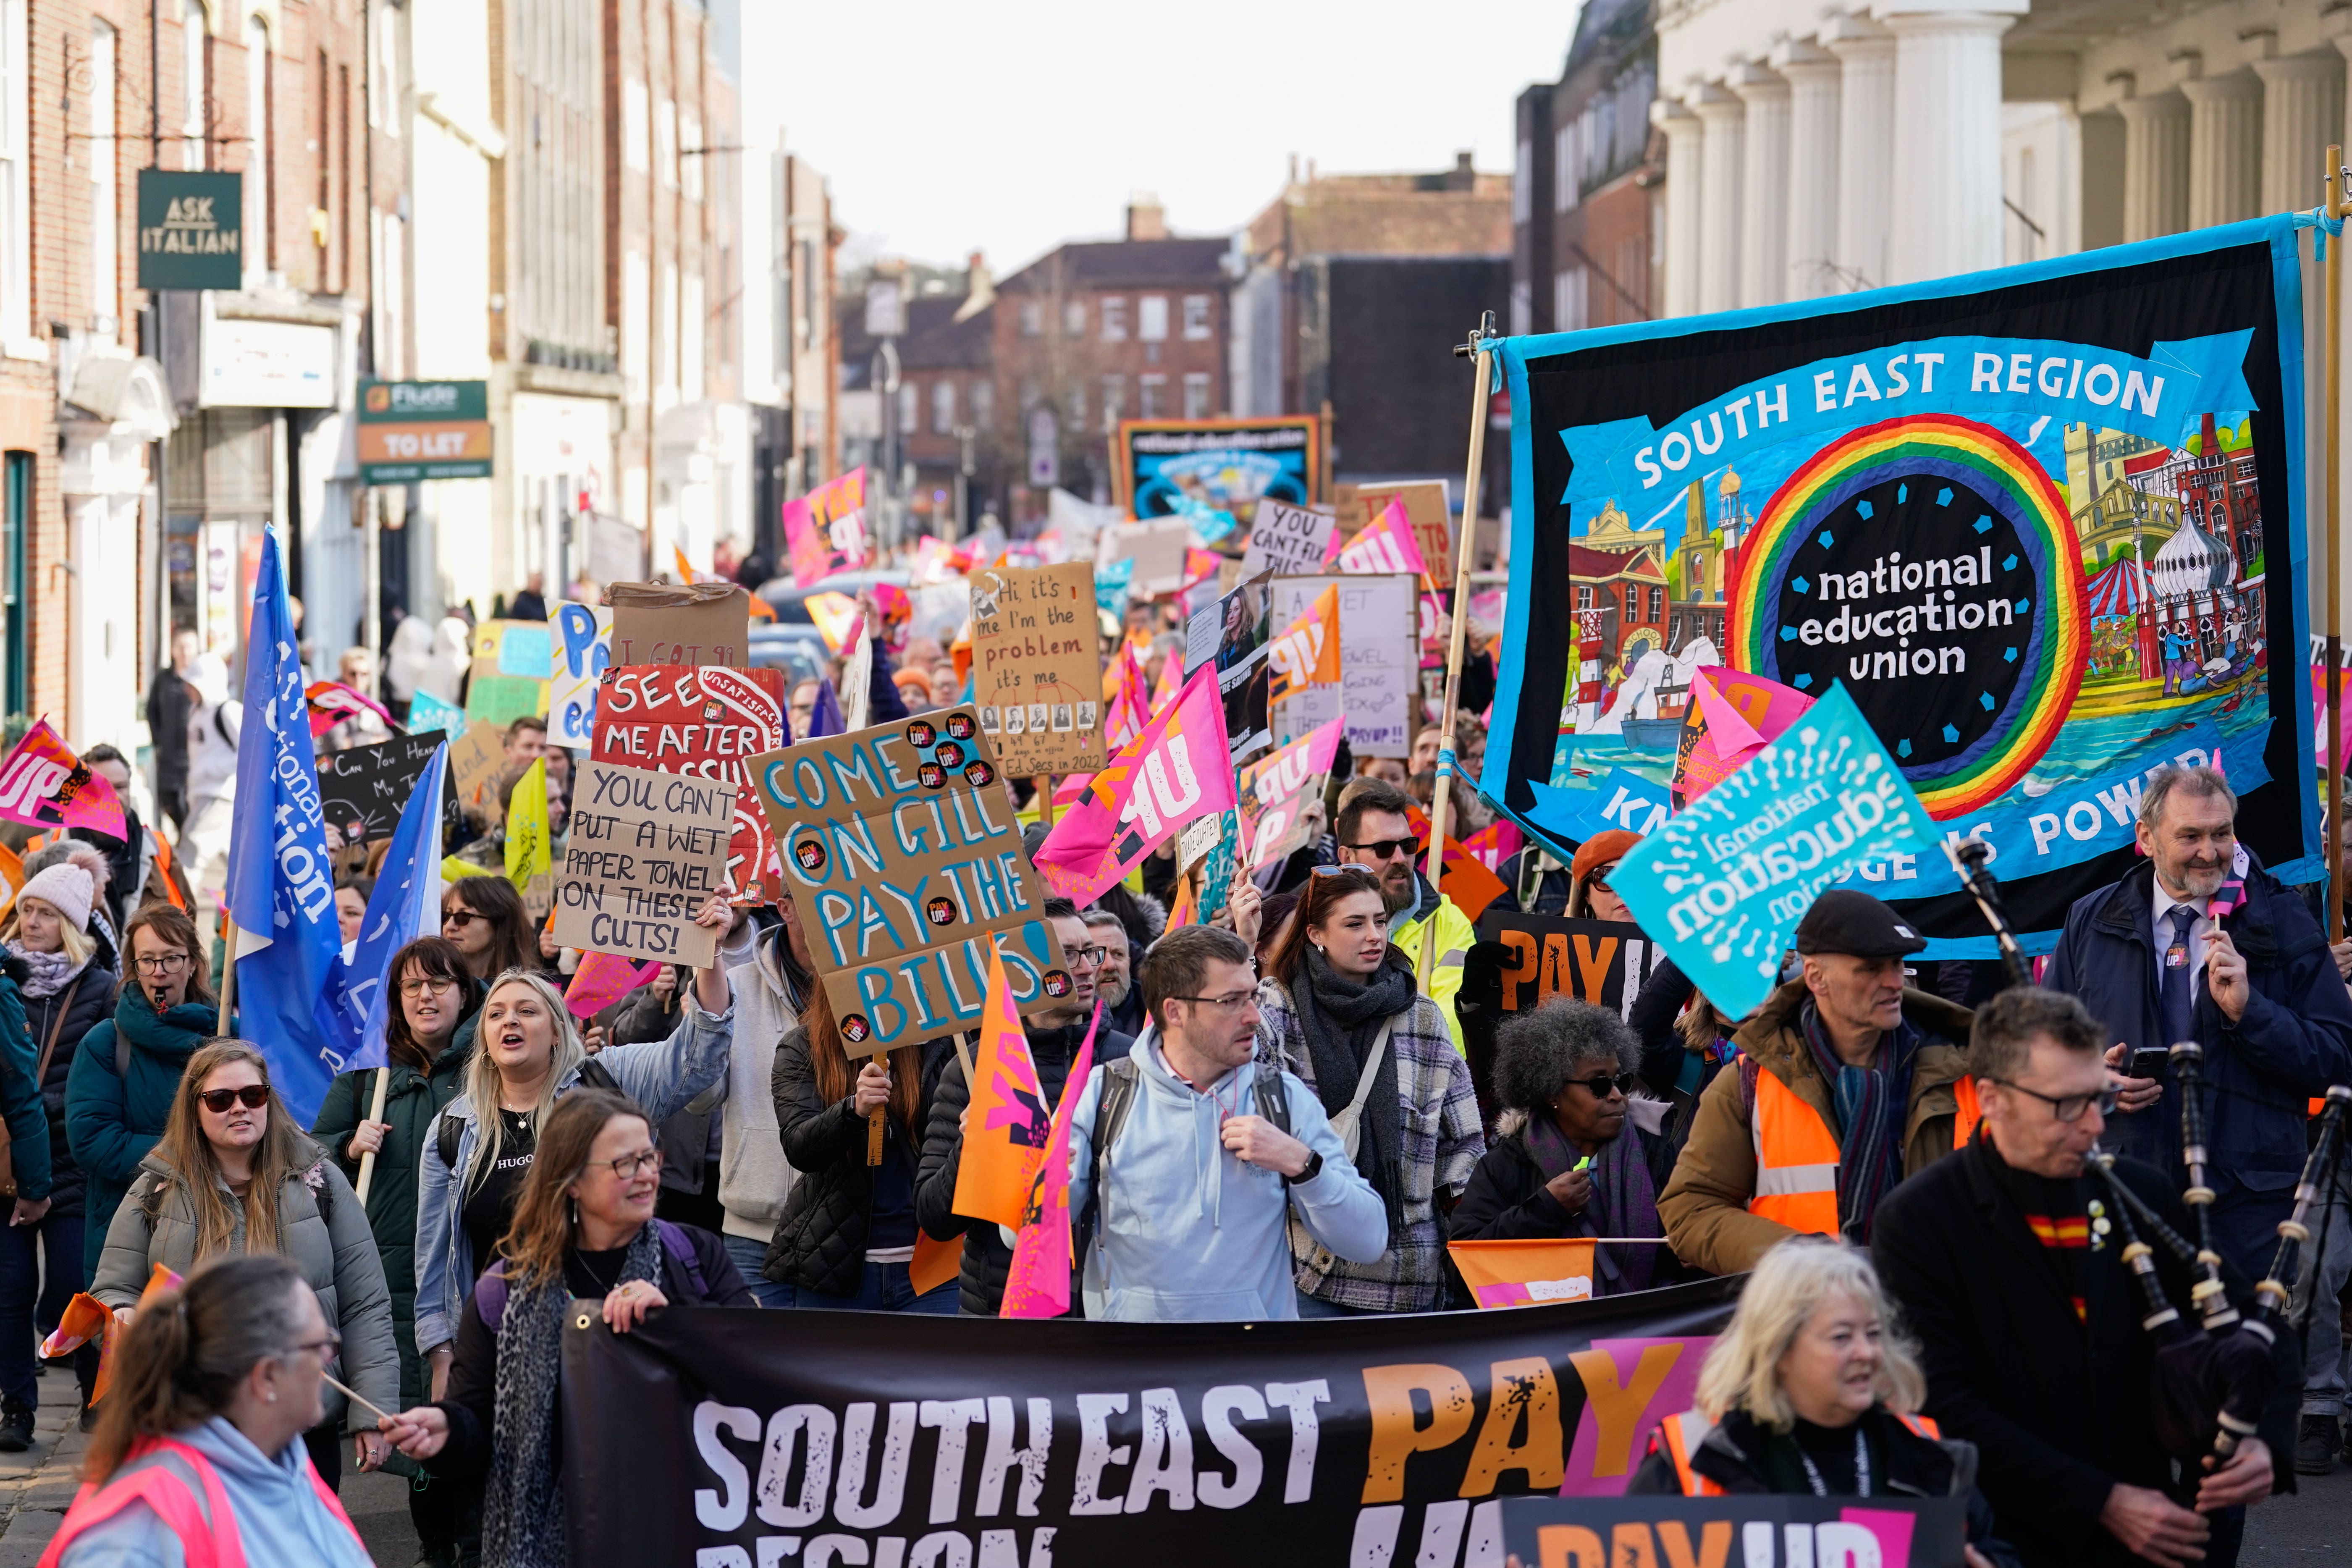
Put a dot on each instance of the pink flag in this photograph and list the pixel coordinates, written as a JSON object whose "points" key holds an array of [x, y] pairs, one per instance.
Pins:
{"points": [[1039, 1284], [332, 702], [1130, 700], [44, 784], [1176, 770], [1737, 715], [1384, 544], [602, 979]]}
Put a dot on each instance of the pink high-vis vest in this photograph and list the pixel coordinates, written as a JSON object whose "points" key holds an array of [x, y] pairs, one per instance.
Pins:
{"points": [[208, 1531]]}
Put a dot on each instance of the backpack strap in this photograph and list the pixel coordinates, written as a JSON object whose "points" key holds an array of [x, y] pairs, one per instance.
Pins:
{"points": [[490, 1297], [1119, 1090], [447, 1132], [1274, 1099], [122, 1058], [680, 1247], [596, 1075]]}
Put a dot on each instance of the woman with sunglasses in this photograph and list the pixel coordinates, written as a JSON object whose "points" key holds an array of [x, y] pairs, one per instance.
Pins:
{"points": [[1590, 896], [126, 1077], [584, 1230], [428, 1035], [1339, 1008], [214, 1387], [483, 916], [232, 1174], [1570, 1158]]}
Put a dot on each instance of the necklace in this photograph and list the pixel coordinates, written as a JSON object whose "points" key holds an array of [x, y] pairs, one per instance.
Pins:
{"points": [[590, 1269], [1861, 1467]]}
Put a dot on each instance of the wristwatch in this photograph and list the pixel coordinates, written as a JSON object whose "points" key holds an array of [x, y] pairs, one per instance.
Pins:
{"points": [[1314, 1169]]}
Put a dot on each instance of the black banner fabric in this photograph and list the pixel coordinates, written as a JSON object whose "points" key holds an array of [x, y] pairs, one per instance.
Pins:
{"points": [[1773, 1532], [1601, 961], [739, 1438]]}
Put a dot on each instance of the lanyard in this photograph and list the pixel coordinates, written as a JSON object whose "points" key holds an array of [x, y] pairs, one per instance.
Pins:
{"points": [[1861, 1467]]}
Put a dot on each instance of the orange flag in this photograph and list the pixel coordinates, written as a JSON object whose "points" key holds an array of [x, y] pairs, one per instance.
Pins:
{"points": [[1522, 1273], [1467, 882], [1308, 652], [1039, 1283], [1004, 1137]]}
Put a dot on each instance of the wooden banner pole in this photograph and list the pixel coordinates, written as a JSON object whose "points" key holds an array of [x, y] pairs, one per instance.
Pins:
{"points": [[2332, 447], [1479, 351], [375, 1113], [228, 974]]}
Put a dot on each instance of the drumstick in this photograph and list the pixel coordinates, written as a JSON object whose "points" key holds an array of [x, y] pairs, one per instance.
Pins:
{"points": [[356, 1397]]}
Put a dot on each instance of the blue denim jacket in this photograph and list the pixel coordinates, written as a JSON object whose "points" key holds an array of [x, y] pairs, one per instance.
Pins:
{"points": [[660, 1075]]}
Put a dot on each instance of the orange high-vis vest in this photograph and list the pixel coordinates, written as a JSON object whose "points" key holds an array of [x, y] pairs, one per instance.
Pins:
{"points": [[1964, 1089], [208, 1531], [1796, 1160], [1680, 1435]]}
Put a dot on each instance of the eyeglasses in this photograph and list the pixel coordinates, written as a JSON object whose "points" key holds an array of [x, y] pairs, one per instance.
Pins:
{"points": [[324, 1348], [1226, 1003], [253, 1096], [2068, 1107], [1600, 1088], [1094, 955], [162, 962], [628, 1167], [1383, 848], [1599, 880], [435, 983], [459, 919]]}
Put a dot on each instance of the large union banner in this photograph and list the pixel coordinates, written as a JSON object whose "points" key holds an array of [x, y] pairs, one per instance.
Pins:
{"points": [[2045, 524], [722, 1437]]}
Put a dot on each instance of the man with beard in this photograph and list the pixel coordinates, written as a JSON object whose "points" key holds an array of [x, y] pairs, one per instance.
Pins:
{"points": [[1115, 982], [1053, 1041], [1374, 831], [2199, 943]]}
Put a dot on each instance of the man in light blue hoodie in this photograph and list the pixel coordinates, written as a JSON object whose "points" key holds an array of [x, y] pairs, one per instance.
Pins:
{"points": [[1198, 1175]]}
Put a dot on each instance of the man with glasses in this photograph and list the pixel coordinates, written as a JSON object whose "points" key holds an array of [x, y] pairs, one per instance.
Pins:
{"points": [[2010, 1267], [1115, 983], [1053, 1041], [1373, 830], [1182, 1155], [1845, 1087]]}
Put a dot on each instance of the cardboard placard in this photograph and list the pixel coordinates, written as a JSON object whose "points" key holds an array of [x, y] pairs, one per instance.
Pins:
{"points": [[1287, 538], [710, 722], [1036, 673], [901, 853], [645, 851], [508, 678], [1380, 659], [1273, 793], [1158, 549], [1425, 506], [584, 651], [693, 624], [363, 790], [475, 759], [1233, 634]]}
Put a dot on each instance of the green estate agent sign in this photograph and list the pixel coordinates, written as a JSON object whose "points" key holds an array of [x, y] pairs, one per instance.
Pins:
{"points": [[412, 430], [191, 231]]}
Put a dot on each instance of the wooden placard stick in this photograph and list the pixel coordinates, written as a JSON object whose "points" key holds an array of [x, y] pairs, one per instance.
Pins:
{"points": [[874, 1121], [1044, 784]]}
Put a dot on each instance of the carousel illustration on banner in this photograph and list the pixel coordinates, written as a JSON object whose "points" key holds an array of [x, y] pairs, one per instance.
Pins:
{"points": [[2037, 565]]}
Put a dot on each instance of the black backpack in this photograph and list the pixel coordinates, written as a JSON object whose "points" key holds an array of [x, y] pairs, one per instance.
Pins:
{"points": [[450, 1130]]}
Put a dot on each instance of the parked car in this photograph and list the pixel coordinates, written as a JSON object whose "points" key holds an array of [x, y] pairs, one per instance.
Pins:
{"points": [[796, 648]]}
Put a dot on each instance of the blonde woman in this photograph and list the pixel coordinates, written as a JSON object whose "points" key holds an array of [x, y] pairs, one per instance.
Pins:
{"points": [[233, 1175], [1812, 1390], [527, 1054]]}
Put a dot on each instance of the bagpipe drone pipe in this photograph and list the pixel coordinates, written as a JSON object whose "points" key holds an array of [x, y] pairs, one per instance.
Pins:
{"points": [[2212, 1379]]}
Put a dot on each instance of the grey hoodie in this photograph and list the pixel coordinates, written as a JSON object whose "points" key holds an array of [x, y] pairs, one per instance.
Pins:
{"points": [[1189, 1233], [754, 1177]]}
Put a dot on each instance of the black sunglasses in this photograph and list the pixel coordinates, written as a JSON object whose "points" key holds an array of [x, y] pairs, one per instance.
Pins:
{"points": [[1599, 1087], [1382, 849], [253, 1096]]}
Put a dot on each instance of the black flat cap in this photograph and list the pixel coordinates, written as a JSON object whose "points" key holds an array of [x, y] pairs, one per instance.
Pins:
{"points": [[1844, 919]]}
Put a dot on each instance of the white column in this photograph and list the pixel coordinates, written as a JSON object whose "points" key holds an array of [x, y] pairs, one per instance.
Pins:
{"points": [[1764, 214], [2225, 148], [1946, 212], [1685, 185], [1865, 162], [2303, 112], [2155, 165], [1812, 75], [1721, 154]]}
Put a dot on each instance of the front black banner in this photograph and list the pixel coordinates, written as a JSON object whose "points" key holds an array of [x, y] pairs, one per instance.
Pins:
{"points": [[737, 1438], [1772, 1532]]}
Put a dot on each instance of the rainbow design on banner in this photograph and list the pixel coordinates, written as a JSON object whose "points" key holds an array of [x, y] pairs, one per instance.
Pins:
{"points": [[1920, 451]]}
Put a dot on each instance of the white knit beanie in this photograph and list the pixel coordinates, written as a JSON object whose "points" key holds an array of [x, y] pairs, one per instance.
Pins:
{"points": [[66, 888]]}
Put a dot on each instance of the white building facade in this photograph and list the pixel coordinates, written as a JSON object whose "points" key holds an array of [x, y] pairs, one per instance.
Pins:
{"points": [[1810, 154]]}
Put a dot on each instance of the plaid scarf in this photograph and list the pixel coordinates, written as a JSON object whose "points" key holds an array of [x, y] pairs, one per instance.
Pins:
{"points": [[1870, 1103]]}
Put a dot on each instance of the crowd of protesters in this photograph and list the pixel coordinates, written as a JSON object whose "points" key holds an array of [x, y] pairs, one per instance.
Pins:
{"points": [[1295, 1106]]}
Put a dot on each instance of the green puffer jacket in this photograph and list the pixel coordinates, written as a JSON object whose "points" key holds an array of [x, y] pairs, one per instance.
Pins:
{"points": [[411, 1104]]}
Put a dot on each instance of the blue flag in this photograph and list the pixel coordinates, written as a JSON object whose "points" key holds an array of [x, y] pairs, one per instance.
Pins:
{"points": [[405, 905], [281, 892], [1722, 886], [826, 717]]}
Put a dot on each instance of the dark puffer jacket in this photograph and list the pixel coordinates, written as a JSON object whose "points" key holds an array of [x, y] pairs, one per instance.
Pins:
{"points": [[820, 1242], [986, 1259], [87, 1001]]}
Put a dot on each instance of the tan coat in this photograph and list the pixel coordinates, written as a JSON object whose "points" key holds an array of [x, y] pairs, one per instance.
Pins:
{"points": [[1705, 1206]]}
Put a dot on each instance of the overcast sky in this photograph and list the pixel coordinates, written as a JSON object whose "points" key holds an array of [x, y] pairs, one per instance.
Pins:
{"points": [[1008, 128]]}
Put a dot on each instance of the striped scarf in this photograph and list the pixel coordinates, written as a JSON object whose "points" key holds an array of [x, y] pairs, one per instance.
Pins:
{"points": [[1870, 1103]]}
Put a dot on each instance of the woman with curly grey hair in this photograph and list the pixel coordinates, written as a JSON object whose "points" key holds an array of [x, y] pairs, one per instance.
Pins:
{"points": [[1570, 1157]]}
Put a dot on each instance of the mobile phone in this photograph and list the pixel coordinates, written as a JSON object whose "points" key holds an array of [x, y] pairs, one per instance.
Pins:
{"points": [[2148, 1061]]}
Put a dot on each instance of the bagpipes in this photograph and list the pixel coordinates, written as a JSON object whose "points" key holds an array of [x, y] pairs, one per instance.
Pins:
{"points": [[2210, 1380]]}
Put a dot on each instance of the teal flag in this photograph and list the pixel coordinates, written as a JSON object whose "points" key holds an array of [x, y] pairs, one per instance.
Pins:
{"points": [[1722, 886]]}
